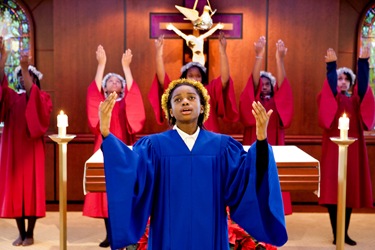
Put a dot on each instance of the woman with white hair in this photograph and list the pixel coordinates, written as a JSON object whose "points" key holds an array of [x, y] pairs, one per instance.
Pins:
{"points": [[128, 118], [340, 94]]}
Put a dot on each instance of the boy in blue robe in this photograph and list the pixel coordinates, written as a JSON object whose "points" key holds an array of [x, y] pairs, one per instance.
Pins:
{"points": [[183, 179]]}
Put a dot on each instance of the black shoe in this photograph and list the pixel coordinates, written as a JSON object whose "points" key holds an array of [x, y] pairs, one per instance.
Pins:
{"points": [[350, 241], [347, 241], [104, 243]]}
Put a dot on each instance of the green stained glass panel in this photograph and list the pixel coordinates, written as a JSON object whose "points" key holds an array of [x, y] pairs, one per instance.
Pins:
{"points": [[368, 39], [15, 29]]}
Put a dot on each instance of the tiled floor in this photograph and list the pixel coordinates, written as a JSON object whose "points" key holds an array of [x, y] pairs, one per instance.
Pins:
{"points": [[307, 231]]}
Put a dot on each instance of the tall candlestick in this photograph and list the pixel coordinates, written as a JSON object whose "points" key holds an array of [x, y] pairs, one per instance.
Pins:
{"points": [[344, 127], [62, 123]]}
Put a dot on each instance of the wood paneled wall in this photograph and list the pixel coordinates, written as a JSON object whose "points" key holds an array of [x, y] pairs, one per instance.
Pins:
{"points": [[67, 33]]}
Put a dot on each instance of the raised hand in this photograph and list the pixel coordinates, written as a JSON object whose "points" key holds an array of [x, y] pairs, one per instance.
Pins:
{"points": [[100, 55], [160, 71], [261, 117], [159, 42], [25, 60], [223, 42], [105, 113], [280, 50], [259, 46], [331, 56], [365, 52], [126, 58]]}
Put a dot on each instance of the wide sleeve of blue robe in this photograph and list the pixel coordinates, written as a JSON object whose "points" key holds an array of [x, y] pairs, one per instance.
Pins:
{"points": [[256, 205], [130, 191], [186, 192]]}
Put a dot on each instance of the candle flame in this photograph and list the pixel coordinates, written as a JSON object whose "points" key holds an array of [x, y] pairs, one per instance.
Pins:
{"points": [[61, 112], [344, 115]]}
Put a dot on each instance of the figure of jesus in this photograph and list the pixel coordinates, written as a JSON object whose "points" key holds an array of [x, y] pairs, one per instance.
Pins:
{"points": [[196, 43]]}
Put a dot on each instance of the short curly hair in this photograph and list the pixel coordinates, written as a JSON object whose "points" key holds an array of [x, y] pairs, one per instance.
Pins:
{"points": [[201, 91]]}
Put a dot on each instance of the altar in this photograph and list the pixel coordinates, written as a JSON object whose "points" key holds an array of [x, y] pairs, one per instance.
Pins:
{"points": [[298, 171]]}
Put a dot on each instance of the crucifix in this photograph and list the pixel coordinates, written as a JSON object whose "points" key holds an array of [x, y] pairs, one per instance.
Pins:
{"points": [[194, 28]]}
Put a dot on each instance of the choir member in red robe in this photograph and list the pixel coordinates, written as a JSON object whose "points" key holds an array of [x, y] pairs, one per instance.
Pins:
{"points": [[221, 90], [341, 95], [128, 119], [26, 116], [273, 93], [183, 179]]}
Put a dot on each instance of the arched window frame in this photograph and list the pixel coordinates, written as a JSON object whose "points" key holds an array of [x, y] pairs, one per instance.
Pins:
{"points": [[23, 35], [366, 37]]}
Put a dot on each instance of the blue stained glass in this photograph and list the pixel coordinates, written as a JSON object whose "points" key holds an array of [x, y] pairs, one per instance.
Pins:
{"points": [[368, 39], [15, 29]]}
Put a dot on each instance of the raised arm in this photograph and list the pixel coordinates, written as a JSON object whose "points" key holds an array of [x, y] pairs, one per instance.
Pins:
{"points": [[280, 54], [330, 60], [102, 59], [259, 47], [24, 63], [125, 61], [3, 59], [224, 64], [363, 71], [160, 70]]}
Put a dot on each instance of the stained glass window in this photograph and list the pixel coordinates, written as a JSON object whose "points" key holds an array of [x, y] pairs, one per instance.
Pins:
{"points": [[368, 39], [15, 30]]}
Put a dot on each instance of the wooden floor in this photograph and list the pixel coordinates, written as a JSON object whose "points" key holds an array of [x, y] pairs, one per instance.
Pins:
{"points": [[307, 231]]}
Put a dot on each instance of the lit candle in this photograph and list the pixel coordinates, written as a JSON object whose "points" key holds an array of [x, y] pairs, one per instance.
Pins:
{"points": [[62, 123], [344, 126]]}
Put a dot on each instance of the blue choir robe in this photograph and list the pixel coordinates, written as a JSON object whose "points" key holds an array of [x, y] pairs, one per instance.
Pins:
{"points": [[186, 193]]}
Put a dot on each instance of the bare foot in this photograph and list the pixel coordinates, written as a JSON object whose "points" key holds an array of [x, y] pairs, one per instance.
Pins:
{"points": [[28, 241], [18, 241]]}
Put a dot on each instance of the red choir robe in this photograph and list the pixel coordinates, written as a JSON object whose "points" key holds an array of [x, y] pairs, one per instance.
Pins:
{"points": [[22, 179], [128, 118], [361, 115], [281, 104], [222, 103]]}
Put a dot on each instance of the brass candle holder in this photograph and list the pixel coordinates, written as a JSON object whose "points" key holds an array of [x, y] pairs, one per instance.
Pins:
{"points": [[62, 140], [343, 144]]}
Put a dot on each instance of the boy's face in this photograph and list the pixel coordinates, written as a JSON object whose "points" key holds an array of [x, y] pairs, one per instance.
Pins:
{"points": [[343, 82], [186, 106]]}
